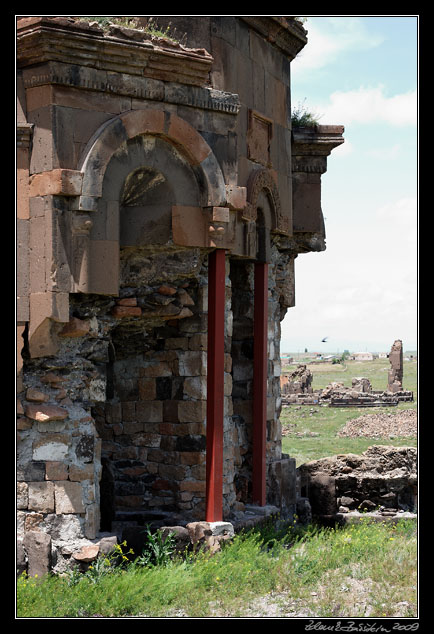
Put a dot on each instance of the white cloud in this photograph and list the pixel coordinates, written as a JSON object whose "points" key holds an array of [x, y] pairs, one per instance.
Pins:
{"points": [[403, 211], [370, 105], [329, 37], [358, 306], [399, 219], [363, 287], [386, 153]]}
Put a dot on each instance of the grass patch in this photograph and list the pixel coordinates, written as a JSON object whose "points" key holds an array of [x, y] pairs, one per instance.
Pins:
{"points": [[326, 422], [302, 117], [313, 568]]}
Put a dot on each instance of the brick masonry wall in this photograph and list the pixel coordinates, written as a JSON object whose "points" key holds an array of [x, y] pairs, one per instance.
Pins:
{"points": [[122, 406]]}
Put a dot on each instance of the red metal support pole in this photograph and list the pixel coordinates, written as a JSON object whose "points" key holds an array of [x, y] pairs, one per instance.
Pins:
{"points": [[260, 372], [215, 386]]}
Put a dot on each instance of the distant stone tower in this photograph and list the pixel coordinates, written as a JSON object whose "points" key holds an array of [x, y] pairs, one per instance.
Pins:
{"points": [[396, 372]]}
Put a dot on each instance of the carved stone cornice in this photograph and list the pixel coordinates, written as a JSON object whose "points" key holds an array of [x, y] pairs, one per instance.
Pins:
{"points": [[87, 78], [284, 32], [312, 145], [42, 39], [317, 140]]}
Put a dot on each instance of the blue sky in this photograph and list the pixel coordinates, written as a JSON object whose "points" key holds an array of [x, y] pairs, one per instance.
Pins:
{"points": [[361, 72]]}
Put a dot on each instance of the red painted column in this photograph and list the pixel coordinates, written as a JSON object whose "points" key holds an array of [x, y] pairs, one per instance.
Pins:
{"points": [[260, 372], [215, 386]]}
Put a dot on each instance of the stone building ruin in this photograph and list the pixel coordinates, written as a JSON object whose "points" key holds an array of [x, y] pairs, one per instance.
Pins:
{"points": [[296, 387], [299, 381], [162, 200]]}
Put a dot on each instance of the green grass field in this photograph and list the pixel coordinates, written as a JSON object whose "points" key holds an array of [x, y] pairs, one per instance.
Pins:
{"points": [[327, 421], [358, 571]]}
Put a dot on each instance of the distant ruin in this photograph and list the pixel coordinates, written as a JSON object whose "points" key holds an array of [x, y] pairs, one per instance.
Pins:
{"points": [[299, 381], [297, 387], [397, 370]]}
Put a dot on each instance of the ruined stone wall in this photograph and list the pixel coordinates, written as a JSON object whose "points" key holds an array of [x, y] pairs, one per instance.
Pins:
{"points": [[153, 421], [382, 480]]}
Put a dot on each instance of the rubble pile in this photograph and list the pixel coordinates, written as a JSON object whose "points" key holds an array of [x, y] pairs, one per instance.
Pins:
{"points": [[403, 424]]}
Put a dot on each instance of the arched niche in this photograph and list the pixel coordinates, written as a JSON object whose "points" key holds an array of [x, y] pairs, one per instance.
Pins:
{"points": [[144, 179], [160, 122], [137, 169], [263, 193]]}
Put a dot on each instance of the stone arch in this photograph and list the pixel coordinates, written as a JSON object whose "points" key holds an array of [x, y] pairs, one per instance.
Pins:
{"points": [[153, 121], [118, 155], [262, 184]]}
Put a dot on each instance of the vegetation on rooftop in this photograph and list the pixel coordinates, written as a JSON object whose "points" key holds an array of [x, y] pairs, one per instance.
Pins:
{"points": [[152, 28], [303, 118]]}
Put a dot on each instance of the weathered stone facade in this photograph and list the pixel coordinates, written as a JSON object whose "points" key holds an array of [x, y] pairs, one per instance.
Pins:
{"points": [[138, 159]]}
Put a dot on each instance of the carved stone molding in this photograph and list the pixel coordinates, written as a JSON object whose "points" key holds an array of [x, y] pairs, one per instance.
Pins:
{"points": [[308, 164], [312, 145], [129, 85]]}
